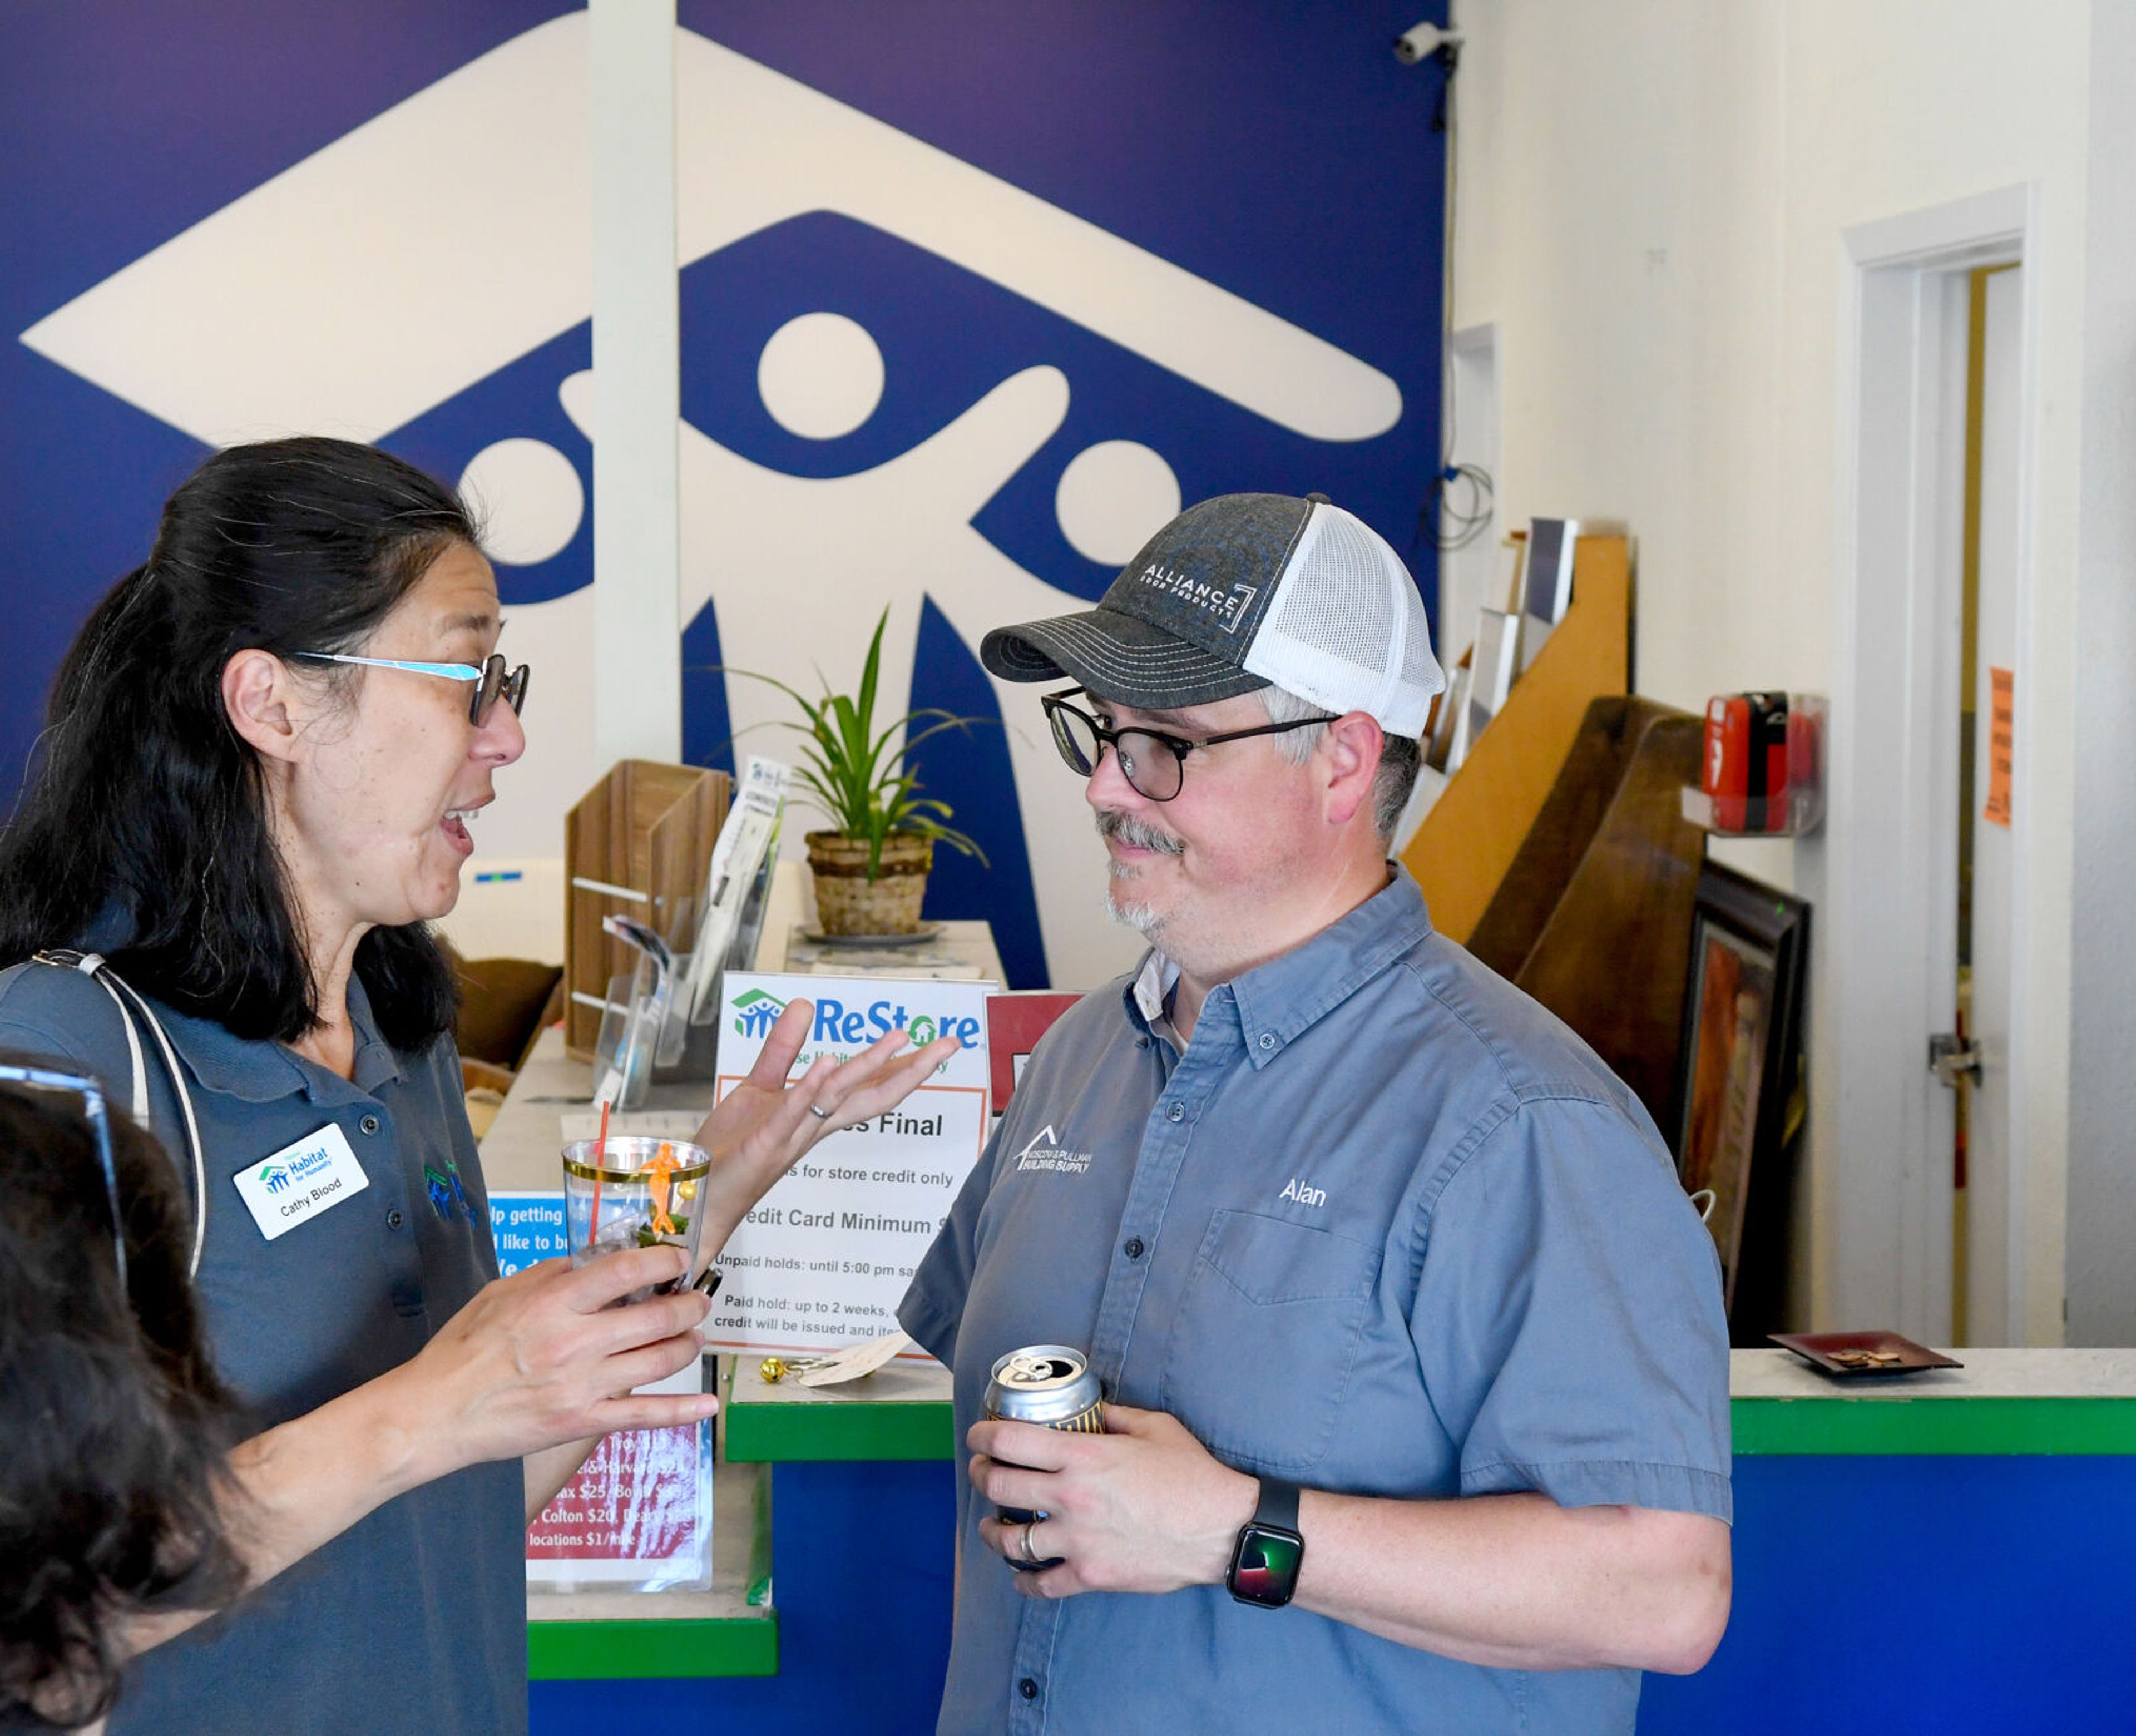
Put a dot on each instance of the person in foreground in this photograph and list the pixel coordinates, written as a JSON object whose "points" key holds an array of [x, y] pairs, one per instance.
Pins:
{"points": [[113, 1425], [263, 754], [1413, 1347]]}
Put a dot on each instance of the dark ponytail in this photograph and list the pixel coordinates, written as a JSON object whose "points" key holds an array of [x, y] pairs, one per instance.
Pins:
{"points": [[144, 824]]}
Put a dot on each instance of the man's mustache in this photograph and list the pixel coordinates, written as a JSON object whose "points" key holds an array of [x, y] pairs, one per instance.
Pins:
{"points": [[1140, 834]]}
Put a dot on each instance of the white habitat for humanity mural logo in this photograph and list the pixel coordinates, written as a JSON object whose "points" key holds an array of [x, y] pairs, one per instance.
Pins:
{"points": [[327, 300]]}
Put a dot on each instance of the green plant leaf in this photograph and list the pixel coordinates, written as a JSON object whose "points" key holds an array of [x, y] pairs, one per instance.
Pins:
{"points": [[861, 778]]}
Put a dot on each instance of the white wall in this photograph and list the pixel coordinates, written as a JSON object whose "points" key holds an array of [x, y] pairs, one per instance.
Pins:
{"points": [[1652, 195]]}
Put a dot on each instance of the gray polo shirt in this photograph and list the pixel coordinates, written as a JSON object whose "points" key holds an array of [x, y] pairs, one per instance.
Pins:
{"points": [[1385, 1228], [415, 1617]]}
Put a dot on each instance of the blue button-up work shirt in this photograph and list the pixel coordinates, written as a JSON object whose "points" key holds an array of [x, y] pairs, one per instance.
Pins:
{"points": [[414, 1618], [1384, 1228]]}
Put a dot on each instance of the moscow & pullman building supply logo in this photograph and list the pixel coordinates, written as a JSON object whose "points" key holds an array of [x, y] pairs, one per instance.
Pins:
{"points": [[1044, 1153]]}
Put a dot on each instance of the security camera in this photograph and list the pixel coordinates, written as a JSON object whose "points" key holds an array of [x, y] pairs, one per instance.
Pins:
{"points": [[1422, 41]]}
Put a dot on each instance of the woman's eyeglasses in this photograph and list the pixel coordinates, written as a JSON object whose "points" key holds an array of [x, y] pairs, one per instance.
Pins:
{"points": [[93, 1111], [1153, 763], [490, 683]]}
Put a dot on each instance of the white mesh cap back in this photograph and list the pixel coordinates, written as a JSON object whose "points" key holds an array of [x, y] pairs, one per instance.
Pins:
{"points": [[1347, 629]]}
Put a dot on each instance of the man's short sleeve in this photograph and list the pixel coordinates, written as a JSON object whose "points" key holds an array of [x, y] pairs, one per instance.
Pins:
{"points": [[1568, 1317], [934, 1301]]}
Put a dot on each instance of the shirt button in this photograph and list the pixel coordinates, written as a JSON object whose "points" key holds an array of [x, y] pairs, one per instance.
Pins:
{"points": [[393, 1218], [1268, 1039], [369, 1124], [1175, 1112], [1134, 1249], [1027, 1688]]}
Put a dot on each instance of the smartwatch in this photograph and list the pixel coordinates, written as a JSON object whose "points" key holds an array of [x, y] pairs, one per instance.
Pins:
{"points": [[1264, 1561]]}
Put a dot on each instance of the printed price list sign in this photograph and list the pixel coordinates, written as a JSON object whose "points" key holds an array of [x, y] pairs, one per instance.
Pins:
{"points": [[639, 1513], [827, 1255]]}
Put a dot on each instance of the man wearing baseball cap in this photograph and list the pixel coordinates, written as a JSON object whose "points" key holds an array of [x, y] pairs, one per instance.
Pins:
{"points": [[1413, 1348]]}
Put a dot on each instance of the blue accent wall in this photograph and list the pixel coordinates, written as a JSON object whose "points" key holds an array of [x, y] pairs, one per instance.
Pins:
{"points": [[1276, 150]]}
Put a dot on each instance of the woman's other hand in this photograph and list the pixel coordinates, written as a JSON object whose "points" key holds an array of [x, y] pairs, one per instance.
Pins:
{"points": [[765, 1123], [543, 1357]]}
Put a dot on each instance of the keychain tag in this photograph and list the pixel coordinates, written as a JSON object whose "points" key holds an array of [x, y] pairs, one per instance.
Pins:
{"points": [[300, 1180]]}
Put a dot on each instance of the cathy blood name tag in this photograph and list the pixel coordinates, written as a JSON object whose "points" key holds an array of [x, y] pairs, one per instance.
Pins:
{"points": [[300, 1180]]}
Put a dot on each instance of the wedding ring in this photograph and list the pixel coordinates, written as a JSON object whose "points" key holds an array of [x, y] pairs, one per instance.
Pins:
{"points": [[820, 1112], [1030, 1554]]}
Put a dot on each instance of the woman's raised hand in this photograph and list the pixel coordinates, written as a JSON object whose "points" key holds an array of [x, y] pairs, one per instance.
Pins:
{"points": [[762, 1127]]}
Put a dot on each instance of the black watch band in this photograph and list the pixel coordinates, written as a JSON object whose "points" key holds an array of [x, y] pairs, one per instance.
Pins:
{"points": [[1265, 1560], [1278, 1504]]}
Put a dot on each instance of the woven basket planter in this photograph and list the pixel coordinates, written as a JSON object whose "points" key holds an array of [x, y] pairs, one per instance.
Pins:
{"points": [[847, 902]]}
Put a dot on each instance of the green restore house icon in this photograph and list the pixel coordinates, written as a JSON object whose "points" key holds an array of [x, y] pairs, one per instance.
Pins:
{"points": [[756, 1012]]}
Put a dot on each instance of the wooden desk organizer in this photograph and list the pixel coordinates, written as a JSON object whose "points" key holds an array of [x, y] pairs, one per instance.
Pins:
{"points": [[638, 844]]}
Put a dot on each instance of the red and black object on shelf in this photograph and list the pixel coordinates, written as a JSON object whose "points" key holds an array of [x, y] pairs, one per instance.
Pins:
{"points": [[1746, 771], [1725, 777]]}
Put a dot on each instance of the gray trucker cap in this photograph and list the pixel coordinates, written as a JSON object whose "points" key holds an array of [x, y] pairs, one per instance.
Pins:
{"points": [[1236, 593]]}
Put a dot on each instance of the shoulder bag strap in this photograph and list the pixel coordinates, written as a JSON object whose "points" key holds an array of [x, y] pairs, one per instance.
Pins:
{"points": [[92, 966]]}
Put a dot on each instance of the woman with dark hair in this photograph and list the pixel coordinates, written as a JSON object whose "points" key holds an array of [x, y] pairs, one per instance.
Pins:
{"points": [[263, 754], [113, 1425]]}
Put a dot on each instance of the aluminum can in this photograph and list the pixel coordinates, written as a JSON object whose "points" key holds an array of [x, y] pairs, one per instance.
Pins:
{"points": [[1052, 1385]]}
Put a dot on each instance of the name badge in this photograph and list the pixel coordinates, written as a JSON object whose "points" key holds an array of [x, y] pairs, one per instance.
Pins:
{"points": [[300, 1180]]}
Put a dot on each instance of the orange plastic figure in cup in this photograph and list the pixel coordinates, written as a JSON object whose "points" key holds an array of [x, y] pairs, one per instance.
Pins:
{"points": [[660, 1169]]}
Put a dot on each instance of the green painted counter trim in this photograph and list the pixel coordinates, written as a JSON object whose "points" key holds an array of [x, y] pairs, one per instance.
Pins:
{"points": [[597, 1651], [1763, 1426], [785, 1433], [1987, 1426]]}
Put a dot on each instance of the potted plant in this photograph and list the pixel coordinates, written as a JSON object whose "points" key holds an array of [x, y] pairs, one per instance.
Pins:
{"points": [[871, 865]]}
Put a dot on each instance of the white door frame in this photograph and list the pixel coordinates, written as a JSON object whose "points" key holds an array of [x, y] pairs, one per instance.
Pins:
{"points": [[1888, 916]]}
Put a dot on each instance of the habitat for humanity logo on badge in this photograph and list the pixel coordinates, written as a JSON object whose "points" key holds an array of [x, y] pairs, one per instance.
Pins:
{"points": [[279, 1176], [1044, 1153], [756, 1012]]}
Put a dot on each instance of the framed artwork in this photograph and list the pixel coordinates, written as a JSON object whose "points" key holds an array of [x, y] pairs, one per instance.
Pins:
{"points": [[1740, 1065]]}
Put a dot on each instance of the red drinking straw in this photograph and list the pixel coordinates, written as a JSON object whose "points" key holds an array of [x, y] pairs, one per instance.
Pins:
{"points": [[600, 1163]]}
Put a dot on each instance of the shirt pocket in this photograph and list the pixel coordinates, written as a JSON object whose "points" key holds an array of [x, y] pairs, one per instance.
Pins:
{"points": [[1265, 1337]]}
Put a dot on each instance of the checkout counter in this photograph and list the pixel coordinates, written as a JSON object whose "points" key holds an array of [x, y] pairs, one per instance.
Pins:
{"points": [[1942, 1551]]}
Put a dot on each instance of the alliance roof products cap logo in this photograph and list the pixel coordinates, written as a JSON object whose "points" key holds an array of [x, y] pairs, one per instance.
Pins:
{"points": [[1044, 1153], [756, 1012], [1228, 607]]}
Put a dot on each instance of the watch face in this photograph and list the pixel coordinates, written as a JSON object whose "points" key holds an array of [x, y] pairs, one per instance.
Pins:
{"points": [[1267, 1566]]}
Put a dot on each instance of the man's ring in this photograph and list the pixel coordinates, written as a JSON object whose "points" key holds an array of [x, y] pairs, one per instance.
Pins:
{"points": [[820, 1112], [1030, 1554]]}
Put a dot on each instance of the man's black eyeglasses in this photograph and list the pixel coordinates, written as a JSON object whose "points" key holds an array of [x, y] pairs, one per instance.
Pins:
{"points": [[99, 1124], [1153, 763]]}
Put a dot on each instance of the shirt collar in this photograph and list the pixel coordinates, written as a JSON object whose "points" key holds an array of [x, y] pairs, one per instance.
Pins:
{"points": [[1152, 986], [1274, 1002], [260, 1071]]}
